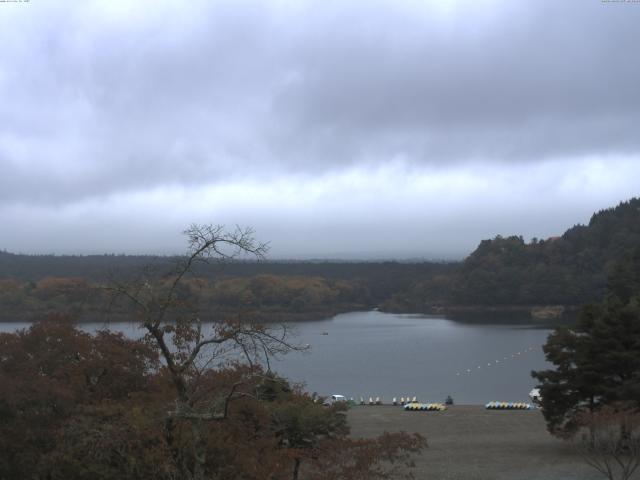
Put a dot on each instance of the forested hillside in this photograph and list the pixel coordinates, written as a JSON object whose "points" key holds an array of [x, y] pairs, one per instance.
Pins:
{"points": [[568, 270]]}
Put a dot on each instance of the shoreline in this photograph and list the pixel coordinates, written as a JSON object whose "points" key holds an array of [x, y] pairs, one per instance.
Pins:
{"points": [[258, 316], [507, 314], [532, 313]]}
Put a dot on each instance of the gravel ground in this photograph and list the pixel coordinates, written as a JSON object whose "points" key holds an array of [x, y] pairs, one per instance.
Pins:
{"points": [[470, 443]]}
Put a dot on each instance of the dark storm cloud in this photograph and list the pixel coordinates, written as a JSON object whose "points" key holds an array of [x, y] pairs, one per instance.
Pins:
{"points": [[104, 98]]}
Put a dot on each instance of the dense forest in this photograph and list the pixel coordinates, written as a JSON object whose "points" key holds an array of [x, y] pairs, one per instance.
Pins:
{"points": [[569, 270], [34, 285], [260, 297], [505, 272]]}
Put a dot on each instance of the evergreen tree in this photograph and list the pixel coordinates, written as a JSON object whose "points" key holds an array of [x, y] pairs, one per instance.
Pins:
{"points": [[597, 361]]}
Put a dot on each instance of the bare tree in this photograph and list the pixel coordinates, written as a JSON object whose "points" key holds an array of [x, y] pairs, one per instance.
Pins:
{"points": [[187, 346], [609, 441]]}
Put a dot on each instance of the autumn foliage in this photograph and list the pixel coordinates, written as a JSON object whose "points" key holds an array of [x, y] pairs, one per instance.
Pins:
{"points": [[80, 406]]}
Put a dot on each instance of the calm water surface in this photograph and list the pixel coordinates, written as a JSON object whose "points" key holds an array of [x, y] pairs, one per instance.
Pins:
{"points": [[381, 354]]}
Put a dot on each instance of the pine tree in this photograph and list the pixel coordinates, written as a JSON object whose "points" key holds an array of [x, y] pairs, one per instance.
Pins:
{"points": [[597, 361]]}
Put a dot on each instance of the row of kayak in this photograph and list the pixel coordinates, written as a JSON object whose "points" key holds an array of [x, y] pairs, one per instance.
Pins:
{"points": [[508, 406], [438, 407]]}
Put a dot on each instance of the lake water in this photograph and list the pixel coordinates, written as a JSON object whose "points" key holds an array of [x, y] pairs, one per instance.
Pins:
{"points": [[392, 355]]}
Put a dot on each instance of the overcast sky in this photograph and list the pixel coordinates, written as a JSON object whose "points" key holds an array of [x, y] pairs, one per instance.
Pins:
{"points": [[350, 129]]}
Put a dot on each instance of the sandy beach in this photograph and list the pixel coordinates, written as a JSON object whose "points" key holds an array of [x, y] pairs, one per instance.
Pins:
{"points": [[471, 443]]}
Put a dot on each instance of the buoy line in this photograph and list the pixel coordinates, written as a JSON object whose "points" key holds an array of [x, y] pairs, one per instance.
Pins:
{"points": [[495, 362]]}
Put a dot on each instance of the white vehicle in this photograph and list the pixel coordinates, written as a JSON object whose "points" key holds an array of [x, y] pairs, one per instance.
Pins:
{"points": [[535, 395], [335, 398]]}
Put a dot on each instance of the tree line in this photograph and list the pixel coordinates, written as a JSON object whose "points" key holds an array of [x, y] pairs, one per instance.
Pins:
{"points": [[380, 278], [265, 297], [570, 270]]}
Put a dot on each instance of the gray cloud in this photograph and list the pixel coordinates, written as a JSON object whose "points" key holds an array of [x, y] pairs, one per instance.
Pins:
{"points": [[140, 100], [523, 83], [389, 211]]}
